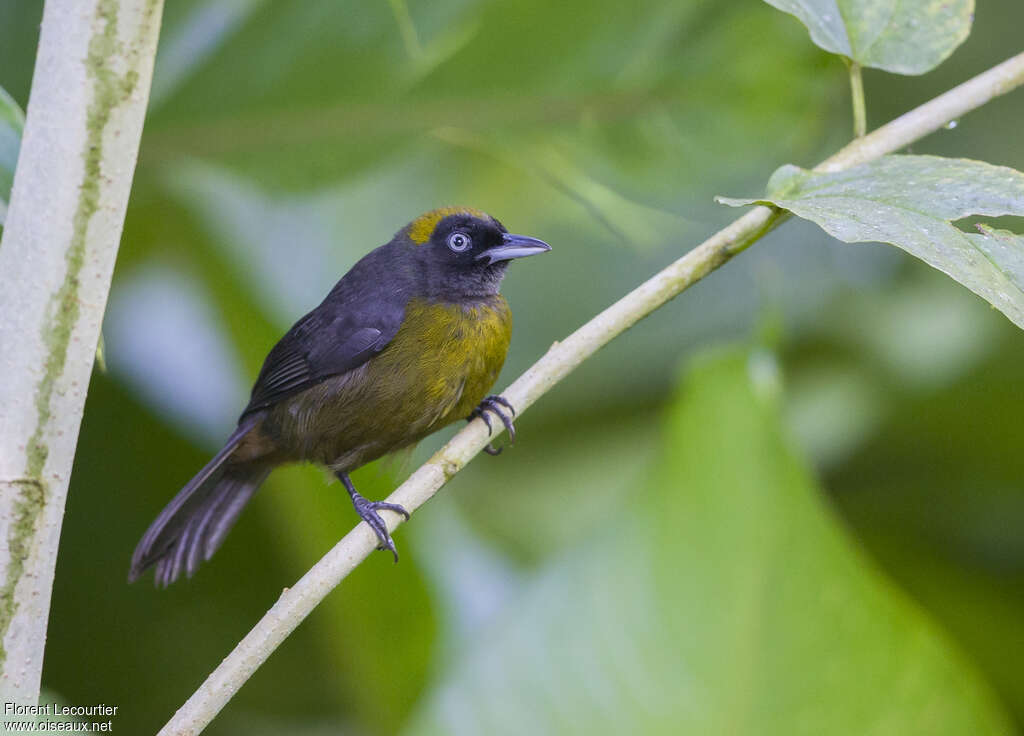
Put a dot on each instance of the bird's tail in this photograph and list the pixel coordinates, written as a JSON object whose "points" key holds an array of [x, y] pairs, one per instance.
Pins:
{"points": [[193, 525]]}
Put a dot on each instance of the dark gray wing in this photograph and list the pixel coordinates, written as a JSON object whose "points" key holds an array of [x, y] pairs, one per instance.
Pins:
{"points": [[324, 343]]}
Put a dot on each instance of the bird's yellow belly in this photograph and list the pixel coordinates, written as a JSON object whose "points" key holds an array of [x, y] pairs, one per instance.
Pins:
{"points": [[436, 370]]}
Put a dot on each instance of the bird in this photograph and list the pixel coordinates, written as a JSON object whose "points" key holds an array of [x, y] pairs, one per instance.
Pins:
{"points": [[408, 341]]}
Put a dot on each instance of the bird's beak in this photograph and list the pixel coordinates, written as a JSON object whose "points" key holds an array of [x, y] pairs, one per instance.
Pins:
{"points": [[514, 246]]}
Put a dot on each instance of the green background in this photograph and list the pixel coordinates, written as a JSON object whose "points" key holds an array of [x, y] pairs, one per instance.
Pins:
{"points": [[817, 534]]}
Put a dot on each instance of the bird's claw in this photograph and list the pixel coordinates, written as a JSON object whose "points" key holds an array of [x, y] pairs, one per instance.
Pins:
{"points": [[367, 511], [497, 405]]}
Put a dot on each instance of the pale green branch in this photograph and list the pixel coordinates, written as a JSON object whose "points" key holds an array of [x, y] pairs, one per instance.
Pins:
{"points": [[60, 239]]}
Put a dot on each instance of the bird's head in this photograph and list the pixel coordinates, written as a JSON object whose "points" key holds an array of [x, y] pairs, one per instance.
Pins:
{"points": [[464, 252]]}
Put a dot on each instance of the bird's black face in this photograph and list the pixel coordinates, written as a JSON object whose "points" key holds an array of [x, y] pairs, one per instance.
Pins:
{"points": [[467, 254], [458, 239]]}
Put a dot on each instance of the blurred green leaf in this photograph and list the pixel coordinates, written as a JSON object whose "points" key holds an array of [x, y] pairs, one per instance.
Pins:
{"points": [[12, 122], [590, 462], [936, 495], [902, 36], [634, 91], [910, 202], [725, 599]]}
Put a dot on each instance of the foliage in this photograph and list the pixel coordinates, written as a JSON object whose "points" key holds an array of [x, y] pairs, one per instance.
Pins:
{"points": [[911, 202], [12, 121], [286, 139], [902, 36], [723, 599]]}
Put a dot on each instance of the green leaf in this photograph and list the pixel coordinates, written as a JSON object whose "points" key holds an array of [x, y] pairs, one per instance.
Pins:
{"points": [[910, 202], [902, 36], [724, 599], [12, 122]]}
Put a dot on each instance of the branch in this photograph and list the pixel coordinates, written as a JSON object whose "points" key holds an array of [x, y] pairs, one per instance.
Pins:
{"points": [[297, 602], [60, 240]]}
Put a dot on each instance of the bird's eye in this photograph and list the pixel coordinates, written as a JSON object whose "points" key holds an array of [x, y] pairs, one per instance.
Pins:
{"points": [[459, 242]]}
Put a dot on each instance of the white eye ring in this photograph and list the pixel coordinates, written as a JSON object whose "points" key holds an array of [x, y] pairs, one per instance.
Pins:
{"points": [[459, 242]]}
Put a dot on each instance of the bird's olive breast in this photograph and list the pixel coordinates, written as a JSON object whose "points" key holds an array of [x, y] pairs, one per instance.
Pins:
{"points": [[436, 370], [449, 353]]}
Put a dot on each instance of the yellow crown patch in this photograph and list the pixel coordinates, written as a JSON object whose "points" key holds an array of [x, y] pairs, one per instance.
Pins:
{"points": [[423, 226]]}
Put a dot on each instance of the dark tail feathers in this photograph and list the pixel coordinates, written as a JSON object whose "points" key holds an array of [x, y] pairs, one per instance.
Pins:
{"points": [[193, 525]]}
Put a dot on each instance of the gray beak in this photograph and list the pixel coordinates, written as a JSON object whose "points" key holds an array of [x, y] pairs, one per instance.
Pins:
{"points": [[514, 246]]}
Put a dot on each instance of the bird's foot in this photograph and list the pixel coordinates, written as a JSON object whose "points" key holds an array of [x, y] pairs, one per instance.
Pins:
{"points": [[499, 406], [367, 511]]}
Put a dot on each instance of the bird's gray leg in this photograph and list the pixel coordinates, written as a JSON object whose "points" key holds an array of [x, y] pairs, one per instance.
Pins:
{"points": [[367, 510]]}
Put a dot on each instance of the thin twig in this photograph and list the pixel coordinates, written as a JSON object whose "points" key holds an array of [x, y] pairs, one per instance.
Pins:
{"points": [[860, 118], [297, 602]]}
